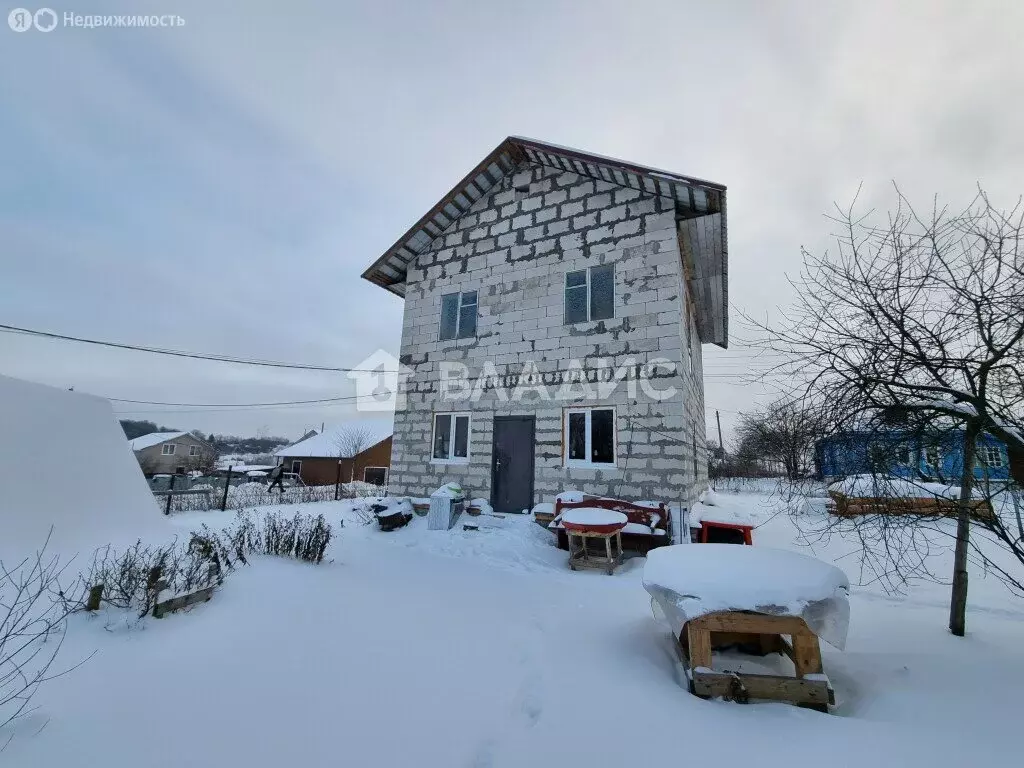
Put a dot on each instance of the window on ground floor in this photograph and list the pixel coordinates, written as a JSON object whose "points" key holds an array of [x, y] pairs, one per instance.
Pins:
{"points": [[451, 438], [375, 475], [193, 450], [589, 437], [990, 456], [296, 467], [904, 455], [168, 449]]}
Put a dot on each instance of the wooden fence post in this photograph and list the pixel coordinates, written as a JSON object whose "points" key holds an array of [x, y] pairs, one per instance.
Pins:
{"points": [[167, 507], [227, 484], [92, 603], [337, 482]]}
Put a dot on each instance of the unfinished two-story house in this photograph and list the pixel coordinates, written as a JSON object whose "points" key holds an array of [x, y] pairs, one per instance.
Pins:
{"points": [[555, 307]]}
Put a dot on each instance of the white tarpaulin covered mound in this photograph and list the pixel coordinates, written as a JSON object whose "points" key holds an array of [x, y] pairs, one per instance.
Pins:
{"points": [[691, 581], [65, 463]]}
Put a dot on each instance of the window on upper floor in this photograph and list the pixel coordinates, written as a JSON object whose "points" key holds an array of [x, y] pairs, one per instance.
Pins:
{"points": [[590, 294], [193, 450], [168, 449], [458, 315]]}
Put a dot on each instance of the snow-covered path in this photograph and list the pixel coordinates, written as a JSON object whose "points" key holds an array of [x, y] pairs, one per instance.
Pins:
{"points": [[482, 649]]}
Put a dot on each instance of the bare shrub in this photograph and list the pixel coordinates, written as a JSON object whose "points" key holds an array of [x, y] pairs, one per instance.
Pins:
{"points": [[132, 578], [33, 623]]}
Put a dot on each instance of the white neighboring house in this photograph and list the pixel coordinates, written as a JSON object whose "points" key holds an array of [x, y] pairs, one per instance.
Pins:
{"points": [[170, 453]]}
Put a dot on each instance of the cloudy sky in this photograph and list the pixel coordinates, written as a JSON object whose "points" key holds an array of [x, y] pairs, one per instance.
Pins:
{"points": [[219, 187]]}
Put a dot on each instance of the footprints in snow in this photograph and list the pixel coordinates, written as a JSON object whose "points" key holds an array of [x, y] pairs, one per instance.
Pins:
{"points": [[527, 707]]}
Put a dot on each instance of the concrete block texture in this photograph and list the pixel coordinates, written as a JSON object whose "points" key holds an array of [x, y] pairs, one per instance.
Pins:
{"points": [[514, 250]]}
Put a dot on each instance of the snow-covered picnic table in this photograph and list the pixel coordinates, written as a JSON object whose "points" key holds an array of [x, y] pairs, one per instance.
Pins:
{"points": [[687, 582]]}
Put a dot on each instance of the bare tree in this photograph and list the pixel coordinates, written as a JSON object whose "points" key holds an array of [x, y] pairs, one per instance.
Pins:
{"points": [[351, 441], [918, 320], [784, 432]]}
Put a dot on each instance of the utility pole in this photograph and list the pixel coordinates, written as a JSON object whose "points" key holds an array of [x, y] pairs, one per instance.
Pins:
{"points": [[718, 418]]}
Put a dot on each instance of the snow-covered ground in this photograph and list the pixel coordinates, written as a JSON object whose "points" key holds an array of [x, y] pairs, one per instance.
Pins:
{"points": [[480, 648]]}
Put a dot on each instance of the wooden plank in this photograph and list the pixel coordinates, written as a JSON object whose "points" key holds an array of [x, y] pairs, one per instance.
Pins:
{"points": [[699, 641], [773, 687], [806, 654], [851, 506], [182, 601], [759, 623]]}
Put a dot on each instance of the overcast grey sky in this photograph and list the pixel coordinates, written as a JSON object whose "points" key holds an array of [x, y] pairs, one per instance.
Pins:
{"points": [[220, 186]]}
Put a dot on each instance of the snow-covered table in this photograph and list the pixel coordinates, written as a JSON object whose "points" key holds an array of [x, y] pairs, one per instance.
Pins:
{"points": [[719, 595], [586, 523]]}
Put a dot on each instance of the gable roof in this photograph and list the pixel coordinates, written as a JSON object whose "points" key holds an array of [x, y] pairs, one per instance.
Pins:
{"points": [[700, 207], [154, 438], [321, 446]]}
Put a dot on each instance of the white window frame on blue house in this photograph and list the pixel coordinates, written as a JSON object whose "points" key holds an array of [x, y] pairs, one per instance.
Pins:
{"points": [[991, 456]]}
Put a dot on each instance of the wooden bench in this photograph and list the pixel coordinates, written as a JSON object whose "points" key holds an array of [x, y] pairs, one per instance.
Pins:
{"points": [[648, 527]]}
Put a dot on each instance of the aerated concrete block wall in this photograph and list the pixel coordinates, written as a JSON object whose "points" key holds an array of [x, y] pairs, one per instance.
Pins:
{"points": [[514, 247]]}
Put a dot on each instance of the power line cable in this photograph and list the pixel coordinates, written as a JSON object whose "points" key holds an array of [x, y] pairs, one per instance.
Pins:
{"points": [[234, 405], [182, 353]]}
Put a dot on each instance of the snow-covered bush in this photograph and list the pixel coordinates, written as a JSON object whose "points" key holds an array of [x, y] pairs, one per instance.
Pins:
{"points": [[302, 537], [130, 577], [357, 489]]}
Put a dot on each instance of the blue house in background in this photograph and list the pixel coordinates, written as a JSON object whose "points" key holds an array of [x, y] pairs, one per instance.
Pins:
{"points": [[935, 457]]}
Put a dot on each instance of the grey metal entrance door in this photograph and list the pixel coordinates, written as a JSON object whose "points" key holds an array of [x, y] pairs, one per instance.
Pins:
{"points": [[512, 464]]}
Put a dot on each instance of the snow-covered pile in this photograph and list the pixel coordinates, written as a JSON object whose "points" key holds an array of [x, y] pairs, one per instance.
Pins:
{"points": [[543, 508], [483, 505], [892, 487], [710, 498], [739, 509], [449, 491], [360, 489], [570, 496], [691, 581], [65, 462], [248, 495], [593, 516]]}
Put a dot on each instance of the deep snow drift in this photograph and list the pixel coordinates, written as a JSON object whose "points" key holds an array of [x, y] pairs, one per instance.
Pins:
{"points": [[65, 462], [480, 649]]}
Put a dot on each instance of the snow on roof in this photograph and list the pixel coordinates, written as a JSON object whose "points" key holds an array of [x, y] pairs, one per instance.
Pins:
{"points": [[154, 438], [322, 446], [98, 496], [693, 580], [893, 487]]}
